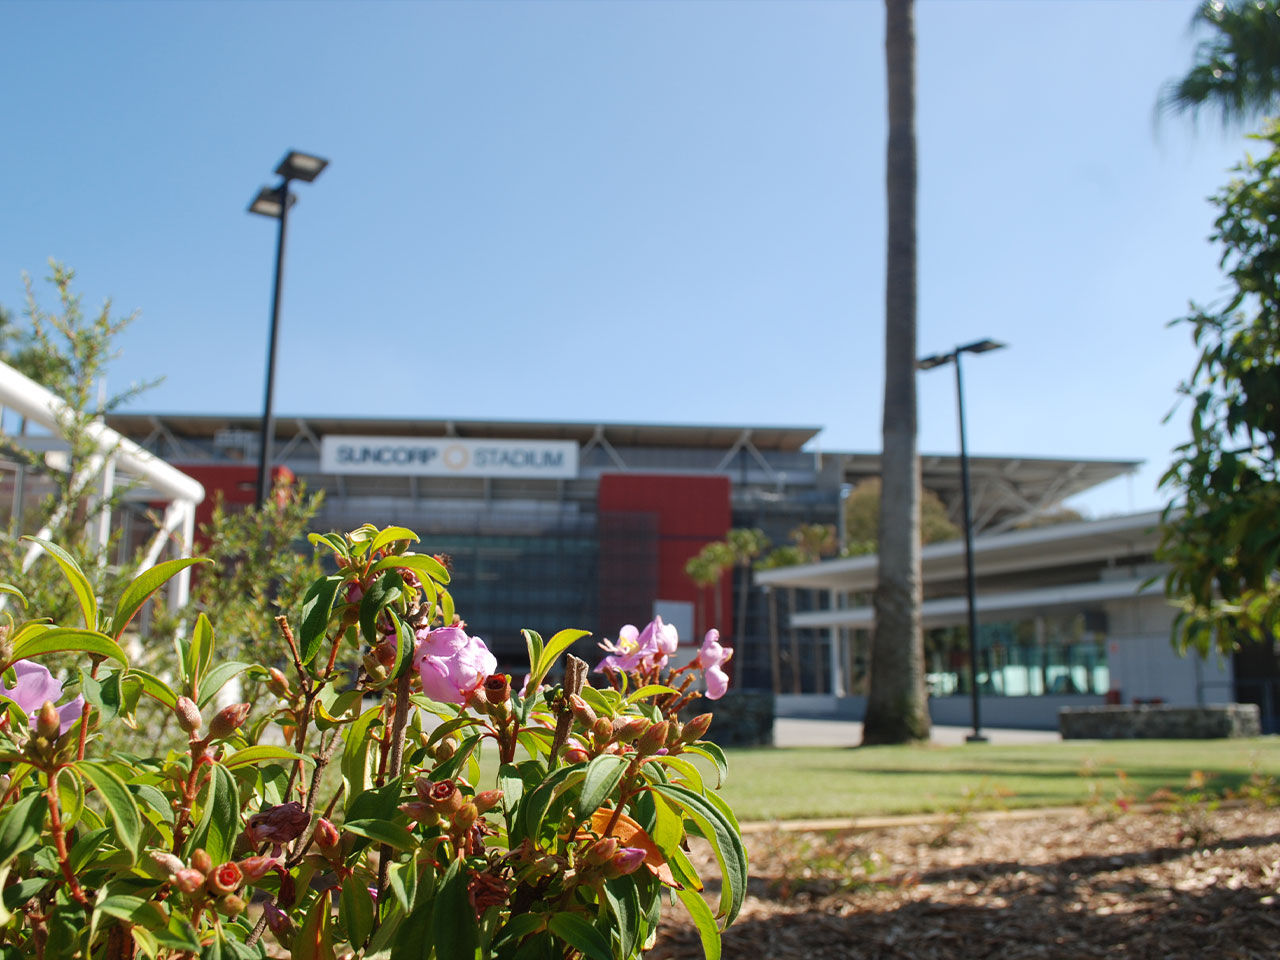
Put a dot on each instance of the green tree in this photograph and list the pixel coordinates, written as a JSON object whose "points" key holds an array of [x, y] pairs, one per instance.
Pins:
{"points": [[67, 353], [1237, 67], [1221, 532], [747, 544], [862, 519], [897, 706]]}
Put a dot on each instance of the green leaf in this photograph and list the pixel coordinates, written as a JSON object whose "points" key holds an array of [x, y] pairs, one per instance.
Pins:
{"points": [[13, 591], [533, 642], [413, 941], [391, 535], [700, 913], [22, 891], [604, 773], [725, 842], [578, 932], [199, 654], [686, 769], [260, 753], [75, 577], [317, 608], [143, 586], [383, 831], [402, 878], [68, 640], [380, 593], [712, 752], [419, 563], [220, 820], [650, 690], [557, 645], [153, 687], [218, 677], [623, 899], [357, 910], [355, 753], [375, 804], [332, 541], [314, 940], [453, 925], [21, 825], [120, 803], [103, 694]]}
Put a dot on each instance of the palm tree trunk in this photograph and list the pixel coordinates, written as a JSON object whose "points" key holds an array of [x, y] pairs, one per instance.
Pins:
{"points": [[897, 708]]}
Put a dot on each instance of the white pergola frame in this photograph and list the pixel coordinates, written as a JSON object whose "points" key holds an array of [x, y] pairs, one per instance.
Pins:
{"points": [[182, 494]]}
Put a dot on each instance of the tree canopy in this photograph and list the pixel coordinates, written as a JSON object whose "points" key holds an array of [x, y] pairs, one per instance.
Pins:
{"points": [[1237, 68], [1221, 534]]}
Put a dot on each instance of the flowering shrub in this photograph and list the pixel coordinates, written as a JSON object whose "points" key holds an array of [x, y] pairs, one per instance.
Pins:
{"points": [[343, 815]]}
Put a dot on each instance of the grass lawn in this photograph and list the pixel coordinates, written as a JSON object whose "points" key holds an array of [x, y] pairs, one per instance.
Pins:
{"points": [[795, 783]]}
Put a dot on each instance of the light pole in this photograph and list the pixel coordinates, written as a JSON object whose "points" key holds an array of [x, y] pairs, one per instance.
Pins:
{"points": [[928, 363], [275, 202]]}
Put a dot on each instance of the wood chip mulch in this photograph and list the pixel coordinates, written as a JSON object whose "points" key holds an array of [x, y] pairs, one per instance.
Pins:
{"points": [[1189, 883]]}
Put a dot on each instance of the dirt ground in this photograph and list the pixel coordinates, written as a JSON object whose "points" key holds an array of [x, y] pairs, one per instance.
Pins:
{"points": [[1183, 883]]}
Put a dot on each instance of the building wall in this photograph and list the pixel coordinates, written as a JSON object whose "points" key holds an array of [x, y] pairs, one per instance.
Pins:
{"points": [[1144, 665]]}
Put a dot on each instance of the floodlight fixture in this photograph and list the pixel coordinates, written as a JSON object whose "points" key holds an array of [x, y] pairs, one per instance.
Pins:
{"points": [[297, 165]]}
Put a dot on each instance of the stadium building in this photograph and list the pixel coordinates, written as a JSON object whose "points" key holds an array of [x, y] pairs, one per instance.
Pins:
{"points": [[589, 525]]}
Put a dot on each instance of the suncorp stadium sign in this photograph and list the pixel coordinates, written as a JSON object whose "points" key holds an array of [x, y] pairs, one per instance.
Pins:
{"points": [[449, 457]]}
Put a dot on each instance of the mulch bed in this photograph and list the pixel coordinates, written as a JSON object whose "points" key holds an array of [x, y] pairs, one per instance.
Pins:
{"points": [[1186, 883]]}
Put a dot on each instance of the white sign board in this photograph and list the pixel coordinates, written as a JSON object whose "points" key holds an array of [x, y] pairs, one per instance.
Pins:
{"points": [[448, 457]]}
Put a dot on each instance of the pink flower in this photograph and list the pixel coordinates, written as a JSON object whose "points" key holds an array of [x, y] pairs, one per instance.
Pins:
{"points": [[34, 687], [452, 664], [712, 657], [640, 649]]}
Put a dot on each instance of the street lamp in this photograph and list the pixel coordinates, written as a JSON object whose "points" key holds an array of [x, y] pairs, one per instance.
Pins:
{"points": [[928, 363], [274, 202]]}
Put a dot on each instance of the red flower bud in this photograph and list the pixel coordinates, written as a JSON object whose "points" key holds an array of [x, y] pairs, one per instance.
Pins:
{"points": [[277, 921], [487, 800], [653, 739], [602, 731], [166, 861], [255, 868], [226, 879], [627, 729], [188, 880], [497, 689], [445, 797], [278, 684], [227, 720], [188, 714], [582, 711], [419, 812], [696, 728], [326, 835], [575, 755], [200, 860], [600, 852], [626, 860], [231, 905], [466, 815]]}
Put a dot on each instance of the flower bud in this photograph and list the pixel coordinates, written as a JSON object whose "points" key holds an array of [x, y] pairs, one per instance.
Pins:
{"points": [[444, 750], [696, 728], [602, 730], [255, 868], [188, 714], [278, 683], [227, 720], [326, 835], [166, 861], [575, 755], [466, 815], [277, 921], [231, 905], [419, 812], [600, 852], [445, 797], [385, 653], [48, 722], [653, 739], [582, 712], [200, 860], [487, 800], [278, 824], [497, 689], [627, 729], [188, 880], [626, 860], [226, 879]]}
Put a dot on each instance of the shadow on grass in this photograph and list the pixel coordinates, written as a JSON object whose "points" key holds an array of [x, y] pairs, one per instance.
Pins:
{"points": [[1015, 912]]}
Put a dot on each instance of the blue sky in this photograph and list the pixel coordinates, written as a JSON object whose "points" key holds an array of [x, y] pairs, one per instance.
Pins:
{"points": [[650, 211]]}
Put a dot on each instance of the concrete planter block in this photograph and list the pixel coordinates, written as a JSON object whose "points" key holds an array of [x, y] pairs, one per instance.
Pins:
{"points": [[1152, 722]]}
